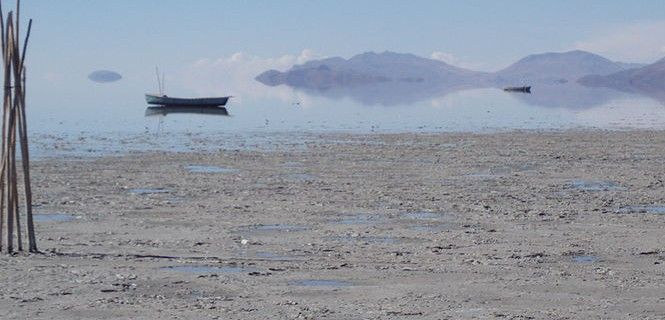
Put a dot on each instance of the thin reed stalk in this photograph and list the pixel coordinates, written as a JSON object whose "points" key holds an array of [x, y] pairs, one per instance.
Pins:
{"points": [[15, 129]]}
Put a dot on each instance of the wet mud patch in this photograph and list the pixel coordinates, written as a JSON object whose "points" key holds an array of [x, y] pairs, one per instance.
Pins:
{"points": [[499, 171], [594, 185], [424, 215], [195, 168], [292, 164], [275, 256], [205, 269], [650, 209], [268, 228], [430, 228], [148, 191], [321, 283], [428, 221], [54, 217], [359, 219], [356, 239], [300, 177], [584, 259]]}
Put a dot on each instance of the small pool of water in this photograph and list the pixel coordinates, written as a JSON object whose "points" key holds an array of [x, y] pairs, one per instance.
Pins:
{"points": [[320, 283], [360, 219], [585, 259], [422, 215], [276, 228], [429, 227], [594, 185], [209, 169], [365, 239], [54, 217], [202, 269], [145, 191]]}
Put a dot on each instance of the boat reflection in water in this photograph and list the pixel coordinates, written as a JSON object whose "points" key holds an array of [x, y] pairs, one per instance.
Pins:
{"points": [[166, 110]]}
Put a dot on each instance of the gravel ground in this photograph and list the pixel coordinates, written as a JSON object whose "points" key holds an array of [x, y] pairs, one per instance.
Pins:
{"points": [[517, 225]]}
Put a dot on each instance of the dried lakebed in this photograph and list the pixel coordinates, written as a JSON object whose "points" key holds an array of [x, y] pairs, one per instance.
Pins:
{"points": [[388, 226]]}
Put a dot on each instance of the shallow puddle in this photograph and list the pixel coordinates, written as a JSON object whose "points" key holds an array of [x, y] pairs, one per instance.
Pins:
{"points": [[360, 219], [365, 239], [54, 217], [430, 228], [202, 269], [276, 228], [652, 209], [144, 191], [208, 169], [584, 259], [594, 185], [422, 215], [320, 283]]}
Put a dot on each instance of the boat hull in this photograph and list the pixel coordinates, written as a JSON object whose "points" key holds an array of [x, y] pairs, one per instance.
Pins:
{"points": [[185, 102], [518, 89]]}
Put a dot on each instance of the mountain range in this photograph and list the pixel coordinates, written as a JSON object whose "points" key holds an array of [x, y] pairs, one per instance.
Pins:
{"points": [[649, 78], [554, 68], [389, 72], [369, 68]]}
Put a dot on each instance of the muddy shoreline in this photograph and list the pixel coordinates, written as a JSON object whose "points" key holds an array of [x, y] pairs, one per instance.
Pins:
{"points": [[516, 225]]}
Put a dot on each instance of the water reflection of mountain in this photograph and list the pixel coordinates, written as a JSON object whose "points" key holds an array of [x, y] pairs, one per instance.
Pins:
{"points": [[657, 95], [392, 93], [568, 96]]}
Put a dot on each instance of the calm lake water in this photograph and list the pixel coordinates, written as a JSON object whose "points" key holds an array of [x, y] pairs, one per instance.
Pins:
{"points": [[116, 121]]}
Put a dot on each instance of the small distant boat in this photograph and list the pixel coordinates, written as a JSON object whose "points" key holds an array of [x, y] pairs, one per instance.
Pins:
{"points": [[518, 89], [165, 110], [164, 100]]}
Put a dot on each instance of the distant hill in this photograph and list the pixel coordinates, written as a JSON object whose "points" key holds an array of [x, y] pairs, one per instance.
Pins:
{"points": [[370, 68], [650, 78], [554, 67], [390, 78]]}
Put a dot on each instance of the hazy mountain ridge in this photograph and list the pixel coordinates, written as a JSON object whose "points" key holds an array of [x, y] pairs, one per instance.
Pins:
{"points": [[373, 68], [574, 79], [555, 67], [650, 78]]}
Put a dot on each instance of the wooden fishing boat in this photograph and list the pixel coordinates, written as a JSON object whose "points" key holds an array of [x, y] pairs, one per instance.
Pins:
{"points": [[165, 100], [518, 89], [165, 110]]}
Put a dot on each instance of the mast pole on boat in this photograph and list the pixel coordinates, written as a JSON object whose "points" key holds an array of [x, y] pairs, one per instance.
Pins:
{"points": [[159, 82]]}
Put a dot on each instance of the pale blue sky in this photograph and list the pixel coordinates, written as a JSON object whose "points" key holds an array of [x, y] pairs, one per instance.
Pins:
{"points": [[73, 37]]}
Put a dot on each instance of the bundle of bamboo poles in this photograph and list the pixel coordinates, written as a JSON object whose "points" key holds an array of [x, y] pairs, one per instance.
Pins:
{"points": [[14, 126]]}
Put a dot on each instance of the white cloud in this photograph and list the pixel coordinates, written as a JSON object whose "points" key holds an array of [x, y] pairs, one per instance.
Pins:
{"points": [[234, 75], [637, 42], [451, 59]]}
